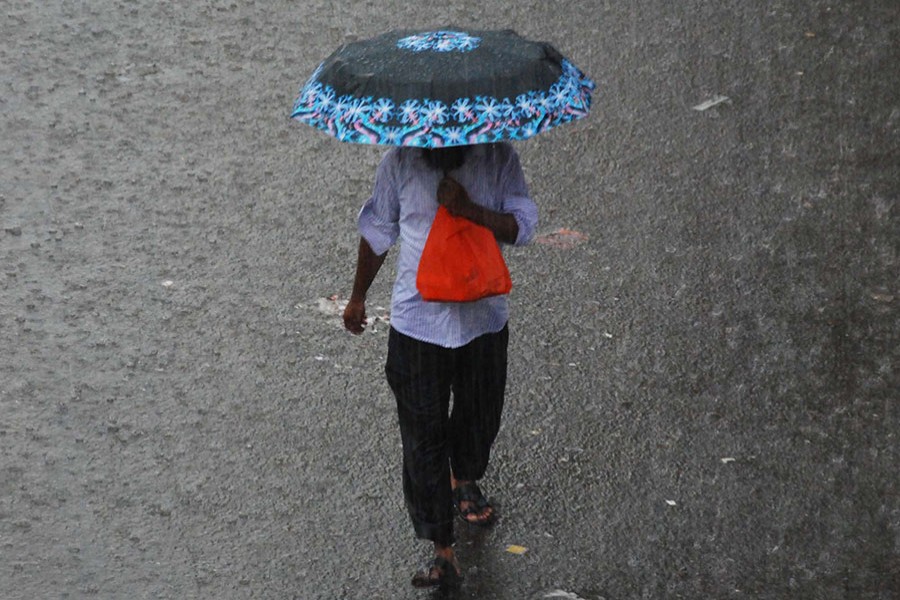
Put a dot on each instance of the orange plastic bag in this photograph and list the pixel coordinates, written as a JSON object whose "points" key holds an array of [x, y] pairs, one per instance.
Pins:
{"points": [[461, 262]]}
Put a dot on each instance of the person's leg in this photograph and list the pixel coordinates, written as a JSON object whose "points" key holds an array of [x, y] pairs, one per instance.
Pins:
{"points": [[420, 374], [479, 386]]}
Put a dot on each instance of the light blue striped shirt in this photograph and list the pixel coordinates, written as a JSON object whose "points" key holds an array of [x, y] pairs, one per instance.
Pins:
{"points": [[403, 206]]}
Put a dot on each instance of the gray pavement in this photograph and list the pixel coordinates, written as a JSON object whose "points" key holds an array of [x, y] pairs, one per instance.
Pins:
{"points": [[703, 387]]}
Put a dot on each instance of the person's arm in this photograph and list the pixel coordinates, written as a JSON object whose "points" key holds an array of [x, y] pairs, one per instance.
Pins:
{"points": [[452, 196], [379, 228], [367, 266]]}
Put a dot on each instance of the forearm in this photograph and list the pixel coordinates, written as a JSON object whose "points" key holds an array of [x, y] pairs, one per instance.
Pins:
{"points": [[502, 225], [367, 266], [455, 199]]}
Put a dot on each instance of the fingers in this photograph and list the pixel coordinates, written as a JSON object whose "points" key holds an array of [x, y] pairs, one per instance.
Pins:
{"points": [[449, 184], [449, 190], [452, 196], [447, 181], [355, 326], [355, 318], [444, 192]]}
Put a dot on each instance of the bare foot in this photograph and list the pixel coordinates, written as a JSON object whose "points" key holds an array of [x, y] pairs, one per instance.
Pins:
{"points": [[473, 506], [442, 571]]}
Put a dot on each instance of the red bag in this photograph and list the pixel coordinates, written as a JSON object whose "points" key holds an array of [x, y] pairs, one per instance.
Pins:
{"points": [[461, 262]]}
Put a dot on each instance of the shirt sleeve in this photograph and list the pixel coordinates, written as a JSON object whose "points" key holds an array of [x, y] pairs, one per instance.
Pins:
{"points": [[379, 218], [515, 197]]}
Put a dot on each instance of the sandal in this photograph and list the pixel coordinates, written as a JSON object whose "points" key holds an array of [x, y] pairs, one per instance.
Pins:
{"points": [[471, 493], [439, 572]]}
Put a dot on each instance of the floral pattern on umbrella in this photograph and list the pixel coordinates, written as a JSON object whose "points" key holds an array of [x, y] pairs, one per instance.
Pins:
{"points": [[432, 124], [440, 41]]}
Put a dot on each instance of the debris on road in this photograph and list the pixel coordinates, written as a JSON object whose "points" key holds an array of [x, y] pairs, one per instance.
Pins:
{"points": [[563, 238], [715, 101], [727, 459], [373, 322], [671, 502], [167, 283], [513, 549], [563, 594], [334, 305]]}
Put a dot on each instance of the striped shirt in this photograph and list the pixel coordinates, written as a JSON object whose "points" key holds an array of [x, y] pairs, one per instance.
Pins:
{"points": [[403, 206]]}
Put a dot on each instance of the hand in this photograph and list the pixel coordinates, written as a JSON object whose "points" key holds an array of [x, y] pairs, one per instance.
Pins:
{"points": [[452, 196], [355, 316]]}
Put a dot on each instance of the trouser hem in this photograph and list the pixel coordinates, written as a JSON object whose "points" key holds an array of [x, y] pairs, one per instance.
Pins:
{"points": [[439, 533]]}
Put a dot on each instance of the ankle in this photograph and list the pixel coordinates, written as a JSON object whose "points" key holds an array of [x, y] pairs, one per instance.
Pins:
{"points": [[454, 482]]}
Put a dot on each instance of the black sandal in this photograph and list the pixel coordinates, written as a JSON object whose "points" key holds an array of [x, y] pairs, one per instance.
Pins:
{"points": [[439, 572], [471, 493]]}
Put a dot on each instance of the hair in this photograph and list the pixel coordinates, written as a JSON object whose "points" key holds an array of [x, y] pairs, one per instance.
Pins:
{"points": [[446, 159]]}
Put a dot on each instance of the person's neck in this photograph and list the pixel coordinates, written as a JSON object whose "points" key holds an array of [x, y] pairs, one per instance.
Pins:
{"points": [[446, 159]]}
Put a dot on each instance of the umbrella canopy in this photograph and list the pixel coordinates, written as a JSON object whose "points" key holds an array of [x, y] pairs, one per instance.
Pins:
{"points": [[442, 88]]}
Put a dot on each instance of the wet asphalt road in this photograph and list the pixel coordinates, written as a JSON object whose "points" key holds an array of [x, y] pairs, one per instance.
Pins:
{"points": [[703, 388]]}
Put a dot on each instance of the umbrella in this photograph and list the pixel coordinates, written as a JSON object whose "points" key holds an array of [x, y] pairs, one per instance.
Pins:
{"points": [[442, 88]]}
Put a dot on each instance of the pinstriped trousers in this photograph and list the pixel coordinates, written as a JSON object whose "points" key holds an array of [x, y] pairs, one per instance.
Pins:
{"points": [[435, 437]]}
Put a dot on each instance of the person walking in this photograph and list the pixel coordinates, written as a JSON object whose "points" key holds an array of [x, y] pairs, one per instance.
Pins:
{"points": [[439, 349]]}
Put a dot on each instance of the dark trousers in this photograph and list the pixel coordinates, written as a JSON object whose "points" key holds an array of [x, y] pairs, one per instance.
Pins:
{"points": [[436, 439]]}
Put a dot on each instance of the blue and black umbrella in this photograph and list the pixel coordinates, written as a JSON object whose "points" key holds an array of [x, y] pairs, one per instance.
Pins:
{"points": [[443, 88]]}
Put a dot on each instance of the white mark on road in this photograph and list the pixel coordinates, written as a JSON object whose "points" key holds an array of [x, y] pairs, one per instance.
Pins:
{"points": [[715, 101]]}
